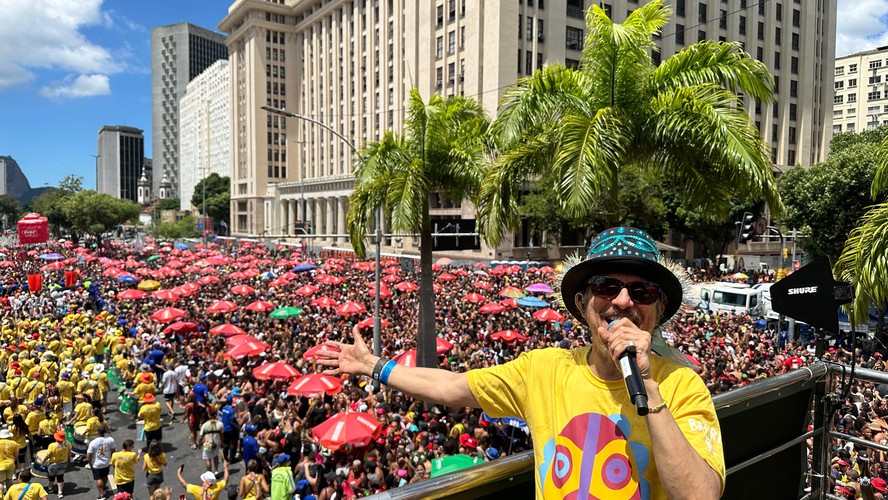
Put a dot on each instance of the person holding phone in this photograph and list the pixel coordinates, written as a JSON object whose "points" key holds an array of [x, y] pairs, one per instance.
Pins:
{"points": [[209, 488]]}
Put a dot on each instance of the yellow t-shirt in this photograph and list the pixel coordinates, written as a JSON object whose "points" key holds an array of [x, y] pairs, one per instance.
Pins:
{"points": [[124, 463], [580, 423], [154, 465], [35, 492], [150, 413], [66, 390], [213, 491], [82, 412], [58, 452], [8, 451], [33, 419], [143, 389]]}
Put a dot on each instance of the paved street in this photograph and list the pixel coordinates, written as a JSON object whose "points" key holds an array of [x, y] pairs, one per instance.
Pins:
{"points": [[80, 485]]}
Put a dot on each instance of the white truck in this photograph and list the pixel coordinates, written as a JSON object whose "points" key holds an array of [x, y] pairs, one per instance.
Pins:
{"points": [[736, 298]]}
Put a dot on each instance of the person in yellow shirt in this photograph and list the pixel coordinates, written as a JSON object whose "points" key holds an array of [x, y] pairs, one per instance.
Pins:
{"points": [[153, 464], [150, 413], [8, 457], [66, 391], [25, 490], [124, 463], [5, 391], [209, 488], [58, 456], [14, 408], [101, 378], [82, 410], [145, 386], [34, 388], [16, 384]]}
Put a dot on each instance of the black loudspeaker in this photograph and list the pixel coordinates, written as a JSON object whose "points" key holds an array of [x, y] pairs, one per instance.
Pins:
{"points": [[812, 295]]}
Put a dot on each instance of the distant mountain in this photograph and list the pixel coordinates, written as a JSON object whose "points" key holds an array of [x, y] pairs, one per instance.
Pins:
{"points": [[17, 184]]}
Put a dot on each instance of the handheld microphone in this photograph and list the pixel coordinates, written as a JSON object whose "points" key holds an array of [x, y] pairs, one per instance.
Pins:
{"points": [[632, 377]]}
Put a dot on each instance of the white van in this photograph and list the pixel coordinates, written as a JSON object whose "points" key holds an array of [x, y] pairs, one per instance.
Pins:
{"points": [[737, 298]]}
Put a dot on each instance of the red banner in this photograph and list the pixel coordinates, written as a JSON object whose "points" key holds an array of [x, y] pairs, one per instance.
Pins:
{"points": [[70, 279], [35, 282]]}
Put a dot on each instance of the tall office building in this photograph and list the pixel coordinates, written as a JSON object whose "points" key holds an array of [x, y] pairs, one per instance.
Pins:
{"points": [[119, 161], [179, 52], [861, 90], [350, 65], [204, 133]]}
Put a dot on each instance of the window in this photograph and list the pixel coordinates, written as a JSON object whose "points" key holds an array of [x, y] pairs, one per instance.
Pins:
{"points": [[439, 47], [520, 24], [793, 109], [795, 41], [761, 8], [723, 19], [575, 38], [837, 129], [776, 84], [778, 34], [701, 35], [852, 98], [875, 79], [774, 134], [852, 83], [796, 18], [701, 12], [840, 70], [794, 65], [520, 52], [875, 64], [451, 12], [776, 60], [451, 74], [792, 134], [838, 99], [791, 157], [837, 113], [793, 88], [850, 127], [462, 38], [572, 63], [540, 32], [528, 62], [679, 34], [529, 36], [451, 42], [759, 53], [680, 8], [852, 68], [439, 77], [743, 25], [761, 31], [871, 96], [779, 11], [839, 85], [440, 17], [539, 60]]}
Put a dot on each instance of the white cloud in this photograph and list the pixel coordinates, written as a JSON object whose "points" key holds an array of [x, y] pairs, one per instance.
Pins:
{"points": [[861, 25], [47, 34], [81, 86]]}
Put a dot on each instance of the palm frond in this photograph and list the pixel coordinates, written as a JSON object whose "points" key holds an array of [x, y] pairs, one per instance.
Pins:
{"points": [[863, 261], [880, 181]]}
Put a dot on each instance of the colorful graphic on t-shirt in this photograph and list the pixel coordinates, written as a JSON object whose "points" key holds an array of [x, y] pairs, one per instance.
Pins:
{"points": [[592, 458]]}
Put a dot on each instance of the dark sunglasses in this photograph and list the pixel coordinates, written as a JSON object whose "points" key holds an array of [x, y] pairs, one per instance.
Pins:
{"points": [[641, 292]]}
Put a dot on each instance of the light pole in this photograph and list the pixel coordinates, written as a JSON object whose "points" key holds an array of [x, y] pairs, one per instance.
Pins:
{"points": [[377, 336], [206, 169]]}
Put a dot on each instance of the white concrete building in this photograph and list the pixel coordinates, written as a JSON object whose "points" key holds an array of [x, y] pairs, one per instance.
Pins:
{"points": [[204, 131], [861, 91]]}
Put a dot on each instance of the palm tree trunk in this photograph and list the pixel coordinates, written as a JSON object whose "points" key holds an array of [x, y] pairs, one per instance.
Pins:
{"points": [[425, 340]]}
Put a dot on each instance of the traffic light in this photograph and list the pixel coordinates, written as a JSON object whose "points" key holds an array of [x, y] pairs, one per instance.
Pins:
{"points": [[747, 232]]}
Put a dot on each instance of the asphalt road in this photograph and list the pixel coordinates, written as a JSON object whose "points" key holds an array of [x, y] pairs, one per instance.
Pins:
{"points": [[79, 484]]}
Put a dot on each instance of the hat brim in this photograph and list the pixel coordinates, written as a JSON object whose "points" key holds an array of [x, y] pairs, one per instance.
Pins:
{"points": [[575, 278]]}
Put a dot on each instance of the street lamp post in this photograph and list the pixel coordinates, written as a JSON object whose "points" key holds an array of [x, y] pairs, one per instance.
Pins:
{"points": [[377, 336]]}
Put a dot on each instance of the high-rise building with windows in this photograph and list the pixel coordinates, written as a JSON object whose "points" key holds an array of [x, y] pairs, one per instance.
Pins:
{"points": [[179, 52], [861, 91], [350, 65], [119, 161]]}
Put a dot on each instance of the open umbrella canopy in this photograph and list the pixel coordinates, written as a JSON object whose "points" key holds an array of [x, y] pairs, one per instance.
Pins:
{"points": [[532, 302], [384, 291], [306, 290], [318, 349], [246, 349], [511, 291], [508, 336], [444, 261], [349, 427], [314, 384], [368, 323], [167, 315], [131, 294], [260, 306], [277, 370], [239, 339], [453, 463], [482, 285], [181, 327], [407, 286], [475, 298], [446, 277], [208, 280], [539, 288], [52, 256], [442, 345], [548, 315], [168, 295], [349, 308], [227, 329], [152, 258], [406, 358], [304, 267], [148, 285], [324, 302], [222, 306], [492, 308], [285, 312], [127, 278], [242, 290]]}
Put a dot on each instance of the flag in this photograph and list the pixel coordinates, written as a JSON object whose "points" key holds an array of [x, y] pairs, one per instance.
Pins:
{"points": [[35, 282], [70, 279]]}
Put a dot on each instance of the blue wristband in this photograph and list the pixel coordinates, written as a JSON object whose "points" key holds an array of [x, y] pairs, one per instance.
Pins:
{"points": [[386, 371]]}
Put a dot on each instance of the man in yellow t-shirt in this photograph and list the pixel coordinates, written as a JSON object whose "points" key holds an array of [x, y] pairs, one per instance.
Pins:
{"points": [[8, 457], [209, 489], [82, 410], [150, 413], [58, 455], [66, 391], [124, 463], [25, 490]]}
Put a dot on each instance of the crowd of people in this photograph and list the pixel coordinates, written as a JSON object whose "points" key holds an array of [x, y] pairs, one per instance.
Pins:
{"points": [[78, 342]]}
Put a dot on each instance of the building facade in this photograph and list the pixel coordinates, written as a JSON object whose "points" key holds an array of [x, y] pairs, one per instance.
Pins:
{"points": [[120, 161], [204, 132], [861, 91], [351, 64], [179, 53]]}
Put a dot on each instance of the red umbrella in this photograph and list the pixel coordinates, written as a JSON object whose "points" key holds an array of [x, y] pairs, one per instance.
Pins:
{"points": [[492, 308], [324, 302], [511, 291], [7, 263], [368, 323], [384, 291], [167, 314], [391, 278], [242, 290], [350, 308], [260, 306], [246, 349], [508, 336], [306, 290], [320, 348], [475, 298], [446, 277], [406, 358], [167, 295], [208, 280], [131, 294], [222, 306], [442, 345], [314, 384], [407, 286], [276, 370], [482, 285], [546, 269], [279, 282], [226, 329], [510, 303], [548, 315], [181, 327], [355, 428], [239, 339]]}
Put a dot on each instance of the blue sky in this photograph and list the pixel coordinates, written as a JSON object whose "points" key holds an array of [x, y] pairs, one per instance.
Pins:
{"points": [[69, 67]]}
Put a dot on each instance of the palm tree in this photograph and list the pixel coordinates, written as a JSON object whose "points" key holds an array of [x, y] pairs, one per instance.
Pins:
{"points": [[440, 150], [682, 120]]}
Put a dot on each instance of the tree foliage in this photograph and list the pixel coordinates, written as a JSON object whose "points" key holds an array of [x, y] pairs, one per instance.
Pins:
{"points": [[184, 228], [168, 204], [218, 197], [10, 208], [50, 202], [681, 121], [90, 212]]}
